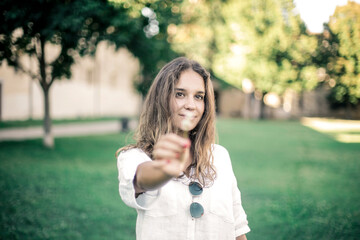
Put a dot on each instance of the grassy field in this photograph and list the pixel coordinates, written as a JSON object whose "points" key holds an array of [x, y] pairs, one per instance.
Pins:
{"points": [[296, 183]]}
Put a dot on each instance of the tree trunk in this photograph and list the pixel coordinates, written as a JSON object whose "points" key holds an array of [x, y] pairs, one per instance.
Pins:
{"points": [[247, 113], [348, 109], [48, 139], [262, 109], [301, 104]]}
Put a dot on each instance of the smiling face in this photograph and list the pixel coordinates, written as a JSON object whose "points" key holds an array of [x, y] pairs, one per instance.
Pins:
{"points": [[188, 99]]}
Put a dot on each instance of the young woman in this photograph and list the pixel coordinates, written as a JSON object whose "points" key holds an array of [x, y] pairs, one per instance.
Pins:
{"points": [[180, 182]]}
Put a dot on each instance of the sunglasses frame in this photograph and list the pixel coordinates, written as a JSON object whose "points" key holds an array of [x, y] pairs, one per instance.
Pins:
{"points": [[196, 209]]}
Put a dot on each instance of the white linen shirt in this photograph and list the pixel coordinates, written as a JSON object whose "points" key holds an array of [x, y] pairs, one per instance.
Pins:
{"points": [[165, 213]]}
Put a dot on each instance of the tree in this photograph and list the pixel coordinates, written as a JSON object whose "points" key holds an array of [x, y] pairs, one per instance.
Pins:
{"points": [[343, 61], [75, 27], [262, 40], [153, 48], [278, 51], [202, 35]]}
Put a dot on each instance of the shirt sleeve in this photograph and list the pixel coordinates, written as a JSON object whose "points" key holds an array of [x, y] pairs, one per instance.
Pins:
{"points": [[241, 223], [127, 164]]}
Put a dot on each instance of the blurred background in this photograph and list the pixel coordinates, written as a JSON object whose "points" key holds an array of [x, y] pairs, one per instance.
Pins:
{"points": [[287, 84]]}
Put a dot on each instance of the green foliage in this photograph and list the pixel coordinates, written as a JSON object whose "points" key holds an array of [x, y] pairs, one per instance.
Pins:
{"points": [[261, 40], [76, 27], [267, 42], [153, 50], [345, 26], [201, 33], [278, 48], [192, 37], [73, 27], [279, 53]]}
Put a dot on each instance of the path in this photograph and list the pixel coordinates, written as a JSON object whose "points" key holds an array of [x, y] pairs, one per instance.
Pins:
{"points": [[64, 130]]}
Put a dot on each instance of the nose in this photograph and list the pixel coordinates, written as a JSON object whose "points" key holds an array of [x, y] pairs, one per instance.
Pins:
{"points": [[190, 103]]}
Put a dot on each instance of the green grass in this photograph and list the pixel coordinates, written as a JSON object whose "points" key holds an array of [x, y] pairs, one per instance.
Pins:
{"points": [[296, 184]]}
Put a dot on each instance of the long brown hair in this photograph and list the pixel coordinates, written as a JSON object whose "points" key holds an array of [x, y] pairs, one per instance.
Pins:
{"points": [[155, 119]]}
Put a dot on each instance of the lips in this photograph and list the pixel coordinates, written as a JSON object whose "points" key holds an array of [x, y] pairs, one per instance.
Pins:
{"points": [[183, 116]]}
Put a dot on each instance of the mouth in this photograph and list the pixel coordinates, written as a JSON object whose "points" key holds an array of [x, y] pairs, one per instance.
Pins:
{"points": [[187, 116]]}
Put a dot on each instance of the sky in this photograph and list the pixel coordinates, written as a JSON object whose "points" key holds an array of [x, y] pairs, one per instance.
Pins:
{"points": [[315, 12]]}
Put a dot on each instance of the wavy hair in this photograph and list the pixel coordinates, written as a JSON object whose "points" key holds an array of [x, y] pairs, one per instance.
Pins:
{"points": [[156, 119]]}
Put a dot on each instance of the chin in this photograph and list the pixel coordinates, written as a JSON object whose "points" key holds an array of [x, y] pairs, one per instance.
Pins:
{"points": [[178, 124], [182, 130]]}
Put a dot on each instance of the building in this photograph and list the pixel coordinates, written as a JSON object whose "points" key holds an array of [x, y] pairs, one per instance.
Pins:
{"points": [[99, 86]]}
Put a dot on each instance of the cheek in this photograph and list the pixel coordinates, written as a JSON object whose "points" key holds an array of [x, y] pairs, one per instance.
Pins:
{"points": [[201, 108], [174, 106]]}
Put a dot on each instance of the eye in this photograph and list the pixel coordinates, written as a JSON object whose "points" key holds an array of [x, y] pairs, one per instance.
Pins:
{"points": [[199, 97], [179, 94]]}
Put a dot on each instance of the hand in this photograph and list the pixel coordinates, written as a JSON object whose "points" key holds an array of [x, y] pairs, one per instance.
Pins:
{"points": [[171, 154]]}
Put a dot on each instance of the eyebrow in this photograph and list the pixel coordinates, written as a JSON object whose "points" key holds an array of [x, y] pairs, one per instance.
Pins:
{"points": [[183, 90]]}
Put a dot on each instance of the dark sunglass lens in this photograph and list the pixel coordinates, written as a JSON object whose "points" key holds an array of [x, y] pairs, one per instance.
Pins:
{"points": [[196, 210], [195, 188]]}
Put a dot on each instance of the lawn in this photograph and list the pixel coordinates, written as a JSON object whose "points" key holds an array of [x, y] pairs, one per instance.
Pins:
{"points": [[296, 183]]}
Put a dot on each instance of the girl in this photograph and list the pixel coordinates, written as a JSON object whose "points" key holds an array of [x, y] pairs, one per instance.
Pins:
{"points": [[180, 182]]}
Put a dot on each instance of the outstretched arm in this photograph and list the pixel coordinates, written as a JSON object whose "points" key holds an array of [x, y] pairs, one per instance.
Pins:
{"points": [[171, 157]]}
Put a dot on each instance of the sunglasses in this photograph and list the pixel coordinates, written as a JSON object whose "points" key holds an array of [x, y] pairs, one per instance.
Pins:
{"points": [[196, 210]]}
